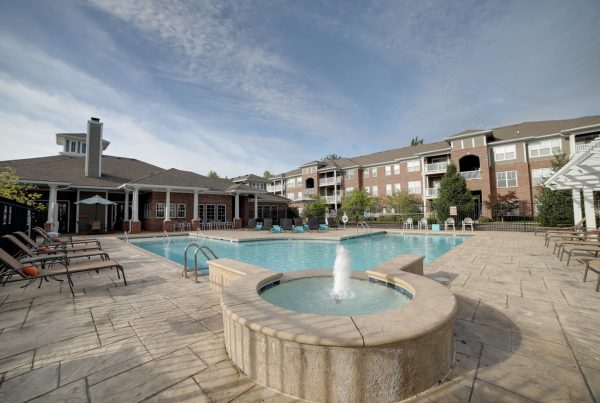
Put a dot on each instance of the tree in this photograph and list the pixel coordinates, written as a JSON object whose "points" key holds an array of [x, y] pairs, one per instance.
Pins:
{"points": [[10, 188], [452, 192], [555, 206], [356, 202], [315, 208], [403, 203], [416, 141], [500, 205], [331, 157], [267, 174], [213, 174]]}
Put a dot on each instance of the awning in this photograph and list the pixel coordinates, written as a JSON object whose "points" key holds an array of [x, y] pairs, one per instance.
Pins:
{"points": [[581, 172]]}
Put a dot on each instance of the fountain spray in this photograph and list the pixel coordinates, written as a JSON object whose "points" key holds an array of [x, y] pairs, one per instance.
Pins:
{"points": [[342, 272]]}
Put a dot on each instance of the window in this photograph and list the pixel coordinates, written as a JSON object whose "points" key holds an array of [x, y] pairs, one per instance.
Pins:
{"points": [[67, 146], [83, 148], [414, 187], [201, 211], [349, 174], [396, 188], [538, 176], [181, 210], [221, 210], [290, 195], [413, 166], [210, 212], [290, 183], [506, 179], [173, 210], [388, 189], [299, 195], [374, 172], [366, 173], [542, 148], [73, 146], [160, 210], [505, 153], [375, 191], [146, 210], [349, 189], [388, 170], [298, 182], [396, 169]]}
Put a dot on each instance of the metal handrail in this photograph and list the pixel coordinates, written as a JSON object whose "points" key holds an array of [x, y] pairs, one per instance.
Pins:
{"points": [[166, 235], [363, 225], [199, 248]]}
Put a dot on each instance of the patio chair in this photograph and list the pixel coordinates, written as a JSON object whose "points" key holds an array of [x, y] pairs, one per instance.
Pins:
{"points": [[298, 221], [331, 223], [408, 223], [251, 224], [17, 269], [48, 240], [566, 236], [51, 239], [276, 229], [423, 223], [578, 227], [298, 229], [587, 240], [449, 223], [313, 224], [593, 265], [69, 245], [286, 224], [467, 222], [96, 226], [323, 228], [267, 224], [570, 249], [24, 249]]}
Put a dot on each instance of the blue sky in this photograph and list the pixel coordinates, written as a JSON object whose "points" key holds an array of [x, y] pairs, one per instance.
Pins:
{"points": [[244, 86]]}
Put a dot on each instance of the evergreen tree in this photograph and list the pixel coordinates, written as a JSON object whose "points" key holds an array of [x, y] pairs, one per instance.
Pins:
{"points": [[416, 141], [213, 174], [356, 202], [555, 206], [453, 192], [331, 157]]}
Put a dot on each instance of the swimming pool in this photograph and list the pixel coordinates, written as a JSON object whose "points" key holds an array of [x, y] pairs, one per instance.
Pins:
{"points": [[292, 255]]}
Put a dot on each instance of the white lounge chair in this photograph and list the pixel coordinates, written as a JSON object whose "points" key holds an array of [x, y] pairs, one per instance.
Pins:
{"points": [[449, 223], [467, 222], [408, 223], [423, 223]]}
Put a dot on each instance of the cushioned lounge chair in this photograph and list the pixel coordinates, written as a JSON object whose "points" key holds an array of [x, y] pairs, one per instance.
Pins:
{"points": [[331, 223], [593, 265], [298, 229], [276, 229], [14, 270], [313, 224], [286, 224]]}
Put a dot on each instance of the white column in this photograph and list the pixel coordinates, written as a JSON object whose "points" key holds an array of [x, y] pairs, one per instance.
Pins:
{"points": [[126, 212], [106, 213], [77, 213], [134, 208], [195, 215], [255, 206], [168, 206], [335, 189], [52, 206], [577, 216], [237, 206], [588, 204]]}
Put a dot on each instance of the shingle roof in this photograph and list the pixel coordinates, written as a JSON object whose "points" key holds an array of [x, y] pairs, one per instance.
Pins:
{"points": [[398, 153], [178, 178], [250, 177], [71, 169], [541, 128]]}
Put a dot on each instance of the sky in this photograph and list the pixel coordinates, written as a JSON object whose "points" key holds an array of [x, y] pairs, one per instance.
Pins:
{"points": [[247, 86]]}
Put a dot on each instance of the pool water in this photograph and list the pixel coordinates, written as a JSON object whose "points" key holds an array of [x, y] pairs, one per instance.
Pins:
{"points": [[311, 295], [292, 255]]}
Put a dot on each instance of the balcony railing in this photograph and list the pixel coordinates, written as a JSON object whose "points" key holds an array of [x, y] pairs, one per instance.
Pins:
{"points": [[330, 181], [431, 192], [274, 188], [333, 199], [471, 174], [438, 167], [583, 146], [311, 191]]}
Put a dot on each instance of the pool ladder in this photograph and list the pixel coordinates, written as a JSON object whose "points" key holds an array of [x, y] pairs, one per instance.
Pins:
{"points": [[205, 250], [362, 225]]}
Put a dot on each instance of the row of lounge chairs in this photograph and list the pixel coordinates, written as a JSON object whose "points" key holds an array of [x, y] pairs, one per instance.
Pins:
{"points": [[577, 241], [53, 257], [449, 222], [286, 224]]}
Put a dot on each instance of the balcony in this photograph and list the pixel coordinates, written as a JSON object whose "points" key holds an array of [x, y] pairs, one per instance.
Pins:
{"points": [[468, 175], [333, 199], [311, 191], [274, 188], [582, 146], [431, 193], [436, 168], [330, 181]]}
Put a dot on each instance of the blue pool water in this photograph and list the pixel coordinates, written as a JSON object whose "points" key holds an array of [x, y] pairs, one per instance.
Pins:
{"points": [[292, 255]]}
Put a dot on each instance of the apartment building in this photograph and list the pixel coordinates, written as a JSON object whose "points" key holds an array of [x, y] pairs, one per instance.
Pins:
{"points": [[493, 161]]}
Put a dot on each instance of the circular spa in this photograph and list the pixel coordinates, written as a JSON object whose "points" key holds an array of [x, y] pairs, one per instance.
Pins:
{"points": [[389, 351]]}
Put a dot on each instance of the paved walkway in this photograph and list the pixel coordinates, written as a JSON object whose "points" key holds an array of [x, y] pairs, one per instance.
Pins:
{"points": [[527, 328]]}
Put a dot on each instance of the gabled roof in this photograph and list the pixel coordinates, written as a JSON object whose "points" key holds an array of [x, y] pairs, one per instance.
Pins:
{"points": [[249, 177], [80, 136], [178, 178], [71, 169], [541, 128], [399, 153]]}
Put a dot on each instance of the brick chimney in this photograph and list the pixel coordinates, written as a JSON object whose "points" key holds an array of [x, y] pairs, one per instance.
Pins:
{"points": [[93, 151]]}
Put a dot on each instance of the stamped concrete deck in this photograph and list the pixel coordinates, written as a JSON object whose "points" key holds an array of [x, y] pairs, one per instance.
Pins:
{"points": [[527, 329]]}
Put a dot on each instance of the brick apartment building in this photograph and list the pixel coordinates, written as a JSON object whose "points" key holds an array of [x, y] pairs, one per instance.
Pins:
{"points": [[493, 162]]}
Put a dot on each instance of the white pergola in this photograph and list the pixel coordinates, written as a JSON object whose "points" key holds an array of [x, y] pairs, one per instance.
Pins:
{"points": [[581, 174]]}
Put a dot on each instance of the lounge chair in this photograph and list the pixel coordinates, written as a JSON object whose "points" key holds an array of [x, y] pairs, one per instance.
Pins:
{"points": [[449, 223], [44, 254], [569, 236], [15, 268], [593, 265], [587, 240], [276, 229], [423, 223], [48, 240], [286, 224], [267, 224], [578, 227], [323, 228], [298, 221], [313, 224], [298, 229], [467, 222], [570, 249], [331, 223], [67, 245], [408, 223], [251, 224]]}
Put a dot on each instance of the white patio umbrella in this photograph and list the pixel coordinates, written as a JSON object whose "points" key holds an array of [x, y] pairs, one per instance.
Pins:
{"points": [[96, 200]]}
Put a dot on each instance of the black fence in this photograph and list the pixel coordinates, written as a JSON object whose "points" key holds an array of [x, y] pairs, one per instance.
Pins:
{"points": [[14, 216]]}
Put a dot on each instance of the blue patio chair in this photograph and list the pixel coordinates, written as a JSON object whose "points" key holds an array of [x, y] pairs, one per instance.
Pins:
{"points": [[298, 229], [276, 229], [323, 228]]}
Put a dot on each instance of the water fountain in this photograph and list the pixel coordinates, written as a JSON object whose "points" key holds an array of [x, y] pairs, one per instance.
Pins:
{"points": [[315, 341]]}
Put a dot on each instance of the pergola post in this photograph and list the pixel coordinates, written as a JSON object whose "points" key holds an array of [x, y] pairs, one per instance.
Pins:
{"points": [[588, 205], [577, 215]]}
